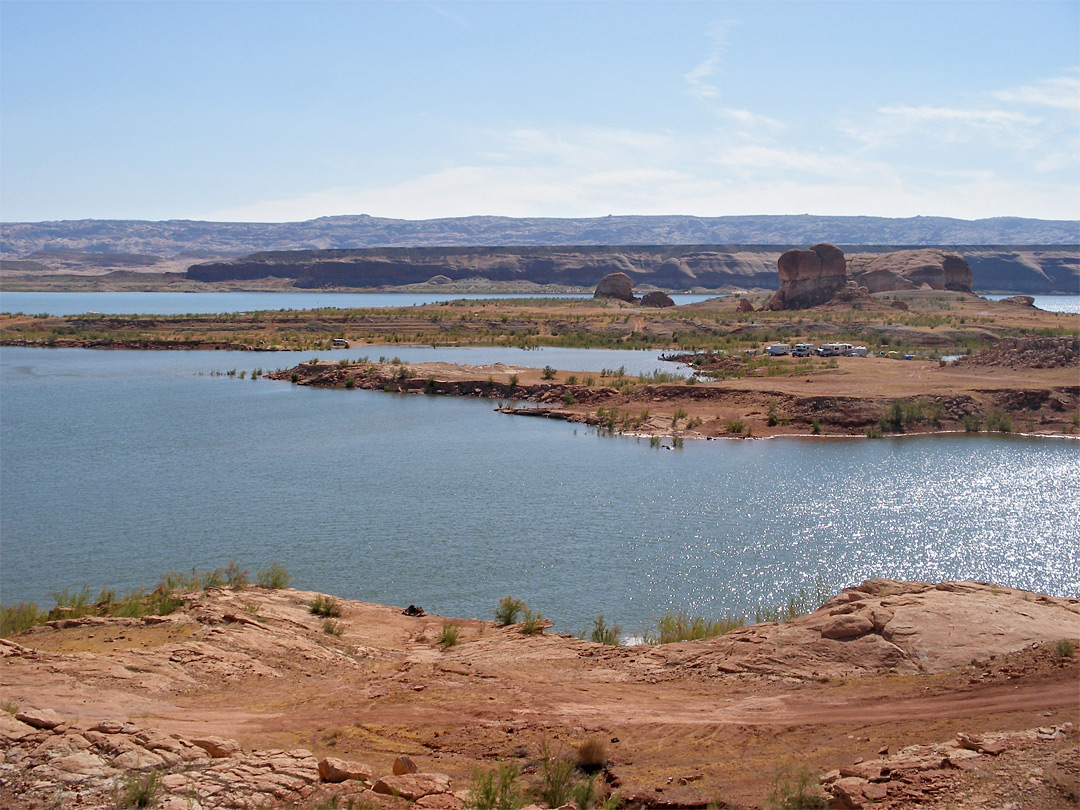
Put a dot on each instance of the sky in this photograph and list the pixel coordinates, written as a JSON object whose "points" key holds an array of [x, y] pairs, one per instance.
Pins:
{"points": [[286, 111]]}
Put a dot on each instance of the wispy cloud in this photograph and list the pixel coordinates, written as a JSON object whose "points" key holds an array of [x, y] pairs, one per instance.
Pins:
{"points": [[702, 78], [1062, 92]]}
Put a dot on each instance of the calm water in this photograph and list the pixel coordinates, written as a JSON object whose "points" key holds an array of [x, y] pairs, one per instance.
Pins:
{"points": [[118, 466], [171, 303]]}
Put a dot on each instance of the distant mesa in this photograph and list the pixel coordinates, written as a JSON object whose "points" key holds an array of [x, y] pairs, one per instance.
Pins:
{"points": [[657, 298], [616, 285]]}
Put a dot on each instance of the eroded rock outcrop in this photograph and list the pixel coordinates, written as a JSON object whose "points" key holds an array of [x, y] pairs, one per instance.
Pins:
{"points": [[616, 285], [809, 277], [656, 298], [911, 270]]}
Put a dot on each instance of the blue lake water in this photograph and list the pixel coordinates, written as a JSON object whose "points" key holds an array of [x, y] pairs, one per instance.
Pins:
{"points": [[175, 303], [118, 466]]}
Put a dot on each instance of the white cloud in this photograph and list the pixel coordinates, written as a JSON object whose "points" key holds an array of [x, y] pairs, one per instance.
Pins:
{"points": [[701, 78], [1062, 92]]}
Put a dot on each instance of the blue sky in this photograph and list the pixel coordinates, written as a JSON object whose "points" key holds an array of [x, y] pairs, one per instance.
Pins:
{"points": [[277, 111]]}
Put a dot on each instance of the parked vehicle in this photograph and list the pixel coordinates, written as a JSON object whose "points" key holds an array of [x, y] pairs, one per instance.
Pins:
{"points": [[802, 350], [859, 351], [779, 349]]}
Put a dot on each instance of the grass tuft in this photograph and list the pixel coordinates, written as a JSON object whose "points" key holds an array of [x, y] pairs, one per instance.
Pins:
{"points": [[449, 635], [508, 610], [325, 606], [603, 633]]}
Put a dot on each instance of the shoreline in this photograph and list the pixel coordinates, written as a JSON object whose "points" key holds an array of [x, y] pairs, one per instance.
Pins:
{"points": [[817, 406]]}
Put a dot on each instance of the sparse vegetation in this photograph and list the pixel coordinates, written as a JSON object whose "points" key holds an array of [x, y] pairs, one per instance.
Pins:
{"points": [[673, 627], [325, 606], [603, 633], [557, 777], [1065, 648], [332, 628], [508, 610], [449, 635], [275, 577], [532, 624], [795, 790], [592, 754], [495, 789], [138, 790]]}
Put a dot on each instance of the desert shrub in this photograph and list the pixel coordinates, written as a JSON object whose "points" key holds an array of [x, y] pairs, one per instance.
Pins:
{"points": [[673, 627], [138, 790], [571, 380], [735, 426], [508, 610], [332, 628], [795, 791], [557, 779], [998, 421], [548, 373], [496, 789], [815, 426], [584, 793], [1065, 648], [325, 606], [874, 433], [18, 617], [592, 754], [275, 577], [449, 635], [568, 399], [603, 633], [532, 623]]}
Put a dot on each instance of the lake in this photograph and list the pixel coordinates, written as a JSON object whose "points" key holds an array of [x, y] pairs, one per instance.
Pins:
{"points": [[118, 466], [174, 303]]}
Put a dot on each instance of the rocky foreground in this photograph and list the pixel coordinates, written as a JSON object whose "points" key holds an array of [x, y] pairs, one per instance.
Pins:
{"points": [[892, 695]]}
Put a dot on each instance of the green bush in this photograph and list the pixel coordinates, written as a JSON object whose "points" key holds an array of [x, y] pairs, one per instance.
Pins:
{"points": [[557, 778], [508, 610], [735, 426], [138, 790], [449, 635], [275, 577], [532, 623], [795, 791], [496, 789], [673, 627], [548, 373], [332, 628], [19, 617], [325, 606], [603, 633], [1065, 648]]}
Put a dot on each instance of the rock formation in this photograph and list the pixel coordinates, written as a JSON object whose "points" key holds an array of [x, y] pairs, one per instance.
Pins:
{"points": [[911, 270], [656, 298], [809, 277], [616, 285], [1019, 301]]}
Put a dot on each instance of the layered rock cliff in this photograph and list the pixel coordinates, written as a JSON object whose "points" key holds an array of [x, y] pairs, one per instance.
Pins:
{"points": [[1034, 271]]}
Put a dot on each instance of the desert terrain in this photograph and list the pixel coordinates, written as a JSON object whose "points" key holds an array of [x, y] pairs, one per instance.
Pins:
{"points": [[891, 695]]}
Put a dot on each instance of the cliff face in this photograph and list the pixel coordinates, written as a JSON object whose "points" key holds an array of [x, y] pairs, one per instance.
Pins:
{"points": [[678, 267], [1034, 271]]}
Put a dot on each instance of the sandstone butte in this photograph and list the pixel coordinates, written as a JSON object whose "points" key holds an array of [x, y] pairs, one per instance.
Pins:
{"points": [[893, 695]]}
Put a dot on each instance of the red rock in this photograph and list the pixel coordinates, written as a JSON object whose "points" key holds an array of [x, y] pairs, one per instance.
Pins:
{"points": [[404, 765], [615, 285], [39, 718], [809, 277], [413, 786], [217, 747], [657, 299], [850, 626], [333, 769]]}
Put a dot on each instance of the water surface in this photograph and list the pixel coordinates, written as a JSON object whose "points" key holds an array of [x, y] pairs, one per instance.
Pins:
{"points": [[119, 466]]}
